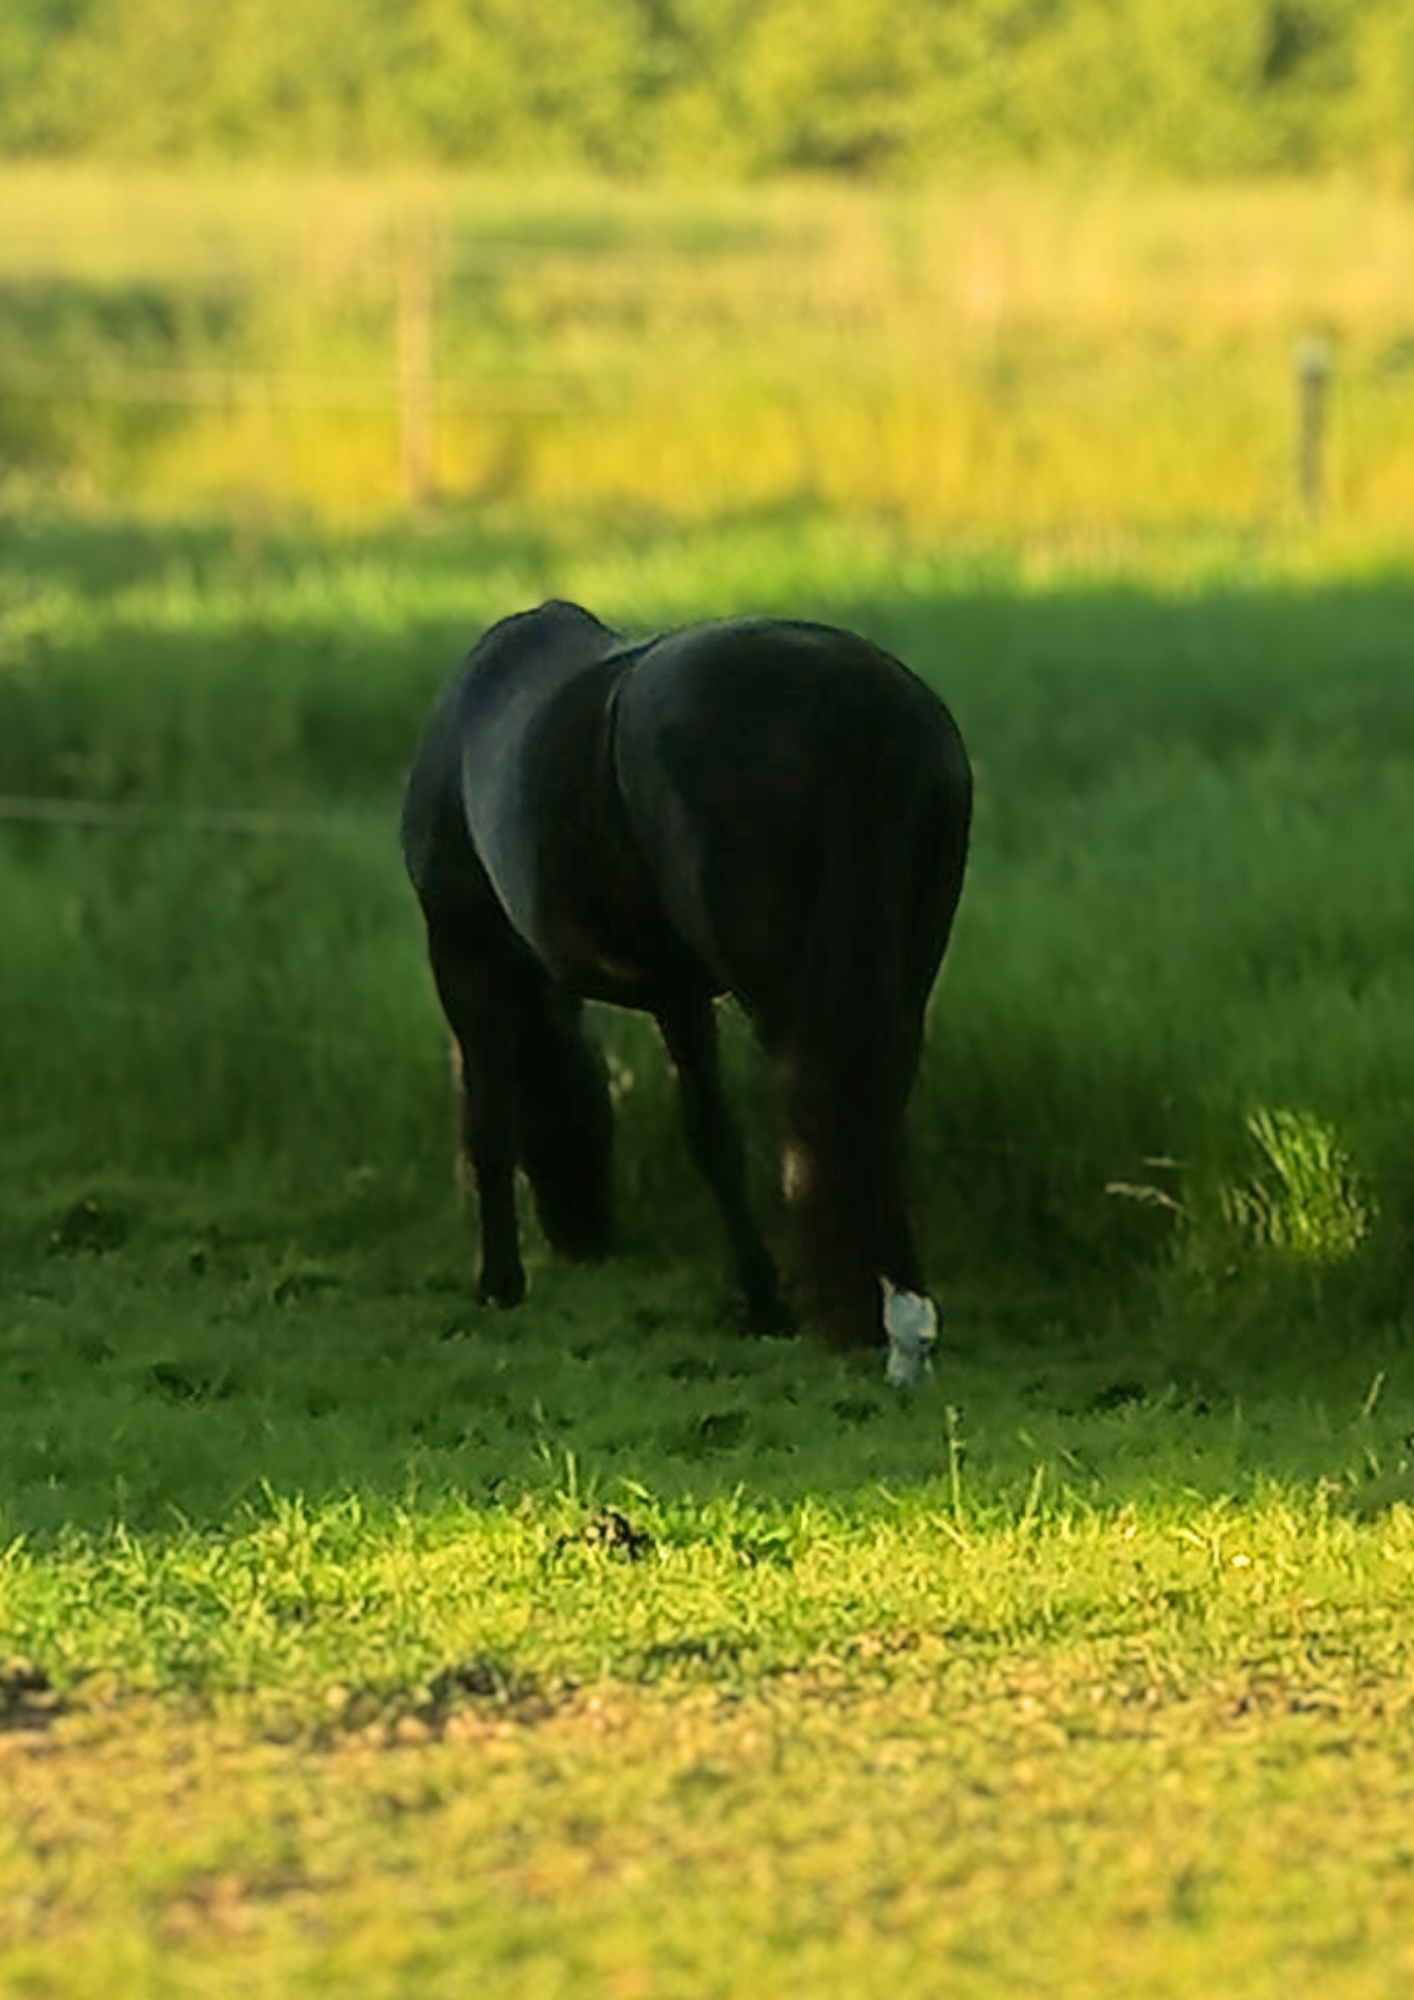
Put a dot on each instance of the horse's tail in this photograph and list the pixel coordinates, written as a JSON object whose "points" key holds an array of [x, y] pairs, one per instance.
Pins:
{"points": [[892, 857]]}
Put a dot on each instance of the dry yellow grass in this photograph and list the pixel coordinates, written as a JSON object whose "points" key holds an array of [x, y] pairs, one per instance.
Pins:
{"points": [[1036, 1825], [1010, 358]]}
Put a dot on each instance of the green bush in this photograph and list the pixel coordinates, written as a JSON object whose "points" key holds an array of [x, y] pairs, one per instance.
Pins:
{"points": [[637, 86]]}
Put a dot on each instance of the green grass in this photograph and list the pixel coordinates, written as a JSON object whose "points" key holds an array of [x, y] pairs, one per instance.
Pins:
{"points": [[911, 1807], [816, 1710], [373, 1643], [1187, 902]]}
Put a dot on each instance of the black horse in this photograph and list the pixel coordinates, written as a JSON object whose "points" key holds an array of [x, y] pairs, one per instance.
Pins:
{"points": [[774, 810]]}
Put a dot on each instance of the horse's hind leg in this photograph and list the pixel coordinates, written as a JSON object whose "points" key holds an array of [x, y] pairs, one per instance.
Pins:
{"points": [[566, 1123], [844, 1187], [476, 999], [689, 1029], [898, 1254]]}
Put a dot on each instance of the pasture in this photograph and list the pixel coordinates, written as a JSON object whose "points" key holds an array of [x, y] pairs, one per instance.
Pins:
{"points": [[369, 1636], [373, 1643]]}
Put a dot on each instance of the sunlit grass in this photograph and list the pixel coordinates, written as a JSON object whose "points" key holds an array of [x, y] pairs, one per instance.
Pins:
{"points": [[1017, 357], [871, 1822], [768, 1749]]}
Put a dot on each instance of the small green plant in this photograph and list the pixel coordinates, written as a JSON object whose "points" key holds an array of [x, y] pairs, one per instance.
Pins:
{"points": [[1308, 1203]]}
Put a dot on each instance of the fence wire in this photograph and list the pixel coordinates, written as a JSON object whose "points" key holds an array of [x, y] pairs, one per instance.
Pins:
{"points": [[122, 816]]}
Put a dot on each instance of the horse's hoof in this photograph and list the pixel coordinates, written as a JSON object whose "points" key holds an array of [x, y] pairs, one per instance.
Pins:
{"points": [[768, 1319], [503, 1292]]}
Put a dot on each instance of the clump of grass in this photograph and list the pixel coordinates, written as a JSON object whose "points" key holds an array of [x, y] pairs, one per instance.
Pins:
{"points": [[1308, 1204]]}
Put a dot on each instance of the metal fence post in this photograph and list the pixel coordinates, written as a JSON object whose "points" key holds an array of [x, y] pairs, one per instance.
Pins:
{"points": [[1313, 372]]}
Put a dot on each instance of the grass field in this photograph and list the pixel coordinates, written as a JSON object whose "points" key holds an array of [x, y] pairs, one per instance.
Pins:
{"points": [[355, 1640], [373, 1643]]}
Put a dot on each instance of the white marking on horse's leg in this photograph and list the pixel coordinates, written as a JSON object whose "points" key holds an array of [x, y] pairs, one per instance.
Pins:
{"points": [[796, 1172], [911, 1323]]}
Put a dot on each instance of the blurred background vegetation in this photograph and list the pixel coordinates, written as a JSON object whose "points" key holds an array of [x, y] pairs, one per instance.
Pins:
{"points": [[1017, 265], [743, 87]]}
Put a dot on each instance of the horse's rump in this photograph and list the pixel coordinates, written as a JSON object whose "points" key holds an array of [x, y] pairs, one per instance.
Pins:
{"points": [[801, 801], [804, 805]]}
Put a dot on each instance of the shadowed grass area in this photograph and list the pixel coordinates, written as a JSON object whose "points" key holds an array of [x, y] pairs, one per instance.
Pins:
{"points": [[1186, 903], [181, 1369]]}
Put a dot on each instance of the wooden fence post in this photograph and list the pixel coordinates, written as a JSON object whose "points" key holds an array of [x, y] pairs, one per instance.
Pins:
{"points": [[417, 416], [1313, 373]]}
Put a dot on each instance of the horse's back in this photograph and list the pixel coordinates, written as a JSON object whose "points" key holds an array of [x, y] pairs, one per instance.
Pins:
{"points": [[781, 776], [714, 806], [786, 711]]}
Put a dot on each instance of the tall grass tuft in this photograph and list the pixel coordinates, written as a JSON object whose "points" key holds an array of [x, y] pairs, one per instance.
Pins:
{"points": [[1308, 1202]]}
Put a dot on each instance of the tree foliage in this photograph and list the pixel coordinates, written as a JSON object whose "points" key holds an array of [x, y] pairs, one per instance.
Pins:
{"points": [[859, 87]]}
